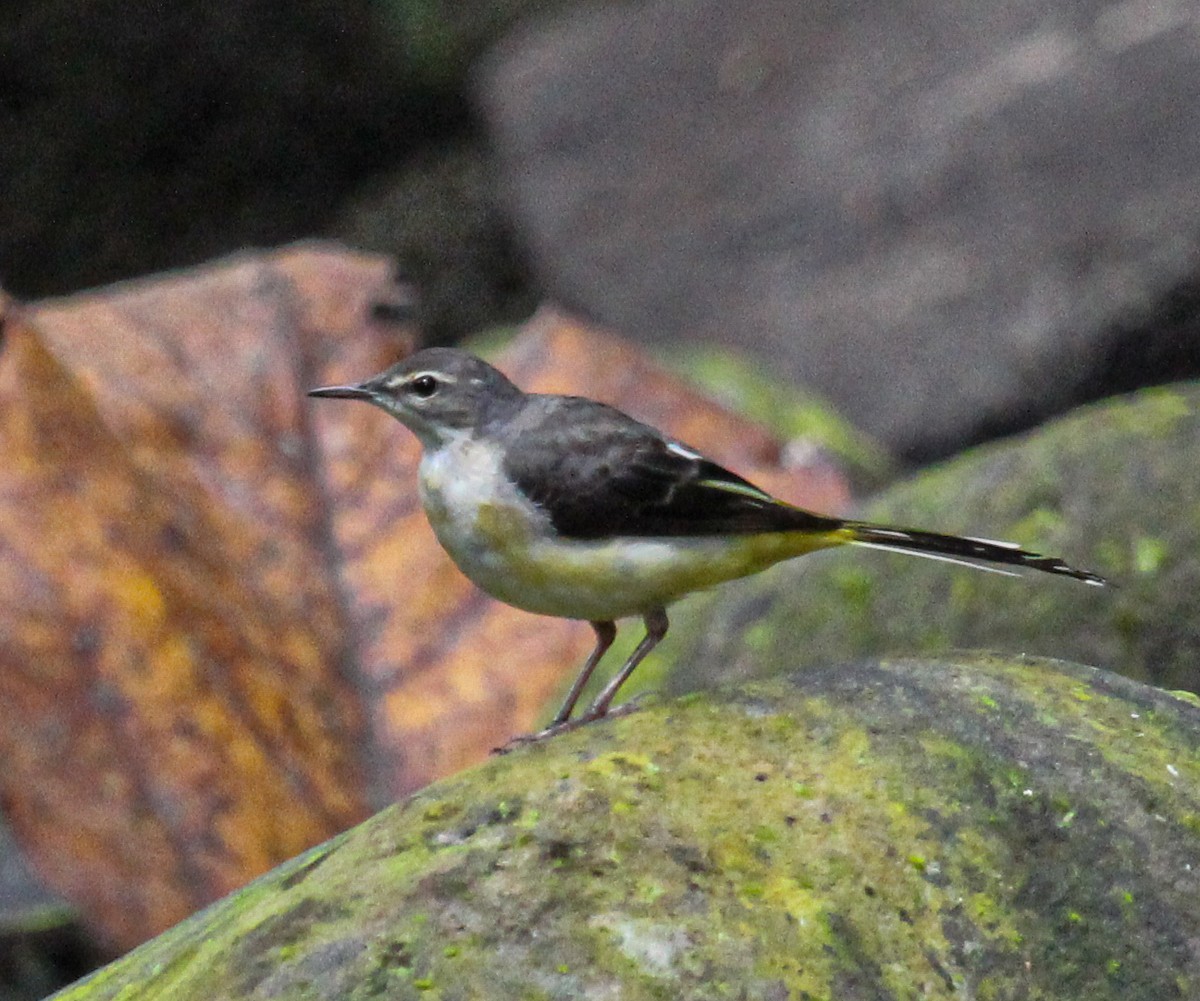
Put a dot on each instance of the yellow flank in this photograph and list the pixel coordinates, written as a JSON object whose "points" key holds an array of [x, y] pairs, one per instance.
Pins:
{"points": [[508, 548], [624, 577]]}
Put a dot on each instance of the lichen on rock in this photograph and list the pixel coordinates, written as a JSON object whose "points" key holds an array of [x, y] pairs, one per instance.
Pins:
{"points": [[972, 826]]}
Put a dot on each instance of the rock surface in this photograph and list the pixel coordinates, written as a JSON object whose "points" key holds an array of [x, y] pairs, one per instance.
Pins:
{"points": [[970, 827], [951, 219]]}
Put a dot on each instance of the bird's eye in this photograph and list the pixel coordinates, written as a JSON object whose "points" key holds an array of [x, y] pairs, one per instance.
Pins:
{"points": [[424, 386]]}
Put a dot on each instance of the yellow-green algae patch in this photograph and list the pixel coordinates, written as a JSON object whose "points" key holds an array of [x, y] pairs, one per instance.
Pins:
{"points": [[910, 829]]}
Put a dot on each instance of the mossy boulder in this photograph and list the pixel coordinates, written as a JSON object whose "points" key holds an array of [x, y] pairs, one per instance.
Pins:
{"points": [[1113, 488], [966, 827]]}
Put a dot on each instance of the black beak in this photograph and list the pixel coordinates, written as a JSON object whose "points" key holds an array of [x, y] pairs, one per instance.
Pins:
{"points": [[343, 392]]}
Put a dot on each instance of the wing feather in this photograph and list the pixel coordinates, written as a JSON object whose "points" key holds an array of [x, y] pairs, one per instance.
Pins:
{"points": [[598, 473]]}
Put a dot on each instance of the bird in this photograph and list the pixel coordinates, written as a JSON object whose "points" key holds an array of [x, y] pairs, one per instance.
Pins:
{"points": [[565, 506]]}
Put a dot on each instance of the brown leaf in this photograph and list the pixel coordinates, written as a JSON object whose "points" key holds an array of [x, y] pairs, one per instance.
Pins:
{"points": [[226, 630], [169, 719]]}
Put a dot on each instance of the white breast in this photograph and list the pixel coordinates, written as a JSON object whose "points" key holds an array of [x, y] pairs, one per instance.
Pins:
{"points": [[479, 517], [457, 480]]}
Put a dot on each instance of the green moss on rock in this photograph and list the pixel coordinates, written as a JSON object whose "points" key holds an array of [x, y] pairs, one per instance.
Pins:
{"points": [[973, 827], [1113, 488]]}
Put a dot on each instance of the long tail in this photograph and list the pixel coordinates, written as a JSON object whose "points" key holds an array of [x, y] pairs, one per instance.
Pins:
{"points": [[966, 551]]}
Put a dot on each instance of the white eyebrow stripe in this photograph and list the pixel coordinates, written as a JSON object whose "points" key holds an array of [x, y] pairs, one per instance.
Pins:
{"points": [[396, 381]]}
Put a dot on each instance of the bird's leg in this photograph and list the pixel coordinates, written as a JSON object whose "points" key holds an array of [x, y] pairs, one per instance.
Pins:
{"points": [[656, 629], [606, 632]]}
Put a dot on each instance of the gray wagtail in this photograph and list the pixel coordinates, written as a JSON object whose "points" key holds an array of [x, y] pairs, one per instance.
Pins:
{"points": [[564, 506]]}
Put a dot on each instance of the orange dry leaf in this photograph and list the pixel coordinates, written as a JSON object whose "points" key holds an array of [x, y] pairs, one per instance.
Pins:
{"points": [[226, 630], [177, 712]]}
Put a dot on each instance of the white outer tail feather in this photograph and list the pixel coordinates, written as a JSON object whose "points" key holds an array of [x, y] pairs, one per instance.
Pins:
{"points": [[986, 568]]}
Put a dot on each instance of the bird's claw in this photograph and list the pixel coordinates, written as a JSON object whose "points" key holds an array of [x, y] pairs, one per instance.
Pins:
{"points": [[566, 726]]}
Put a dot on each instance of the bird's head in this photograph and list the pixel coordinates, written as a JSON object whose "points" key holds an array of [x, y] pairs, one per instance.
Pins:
{"points": [[438, 394]]}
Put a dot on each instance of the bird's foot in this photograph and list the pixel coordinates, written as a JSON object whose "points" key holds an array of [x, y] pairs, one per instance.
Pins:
{"points": [[567, 725]]}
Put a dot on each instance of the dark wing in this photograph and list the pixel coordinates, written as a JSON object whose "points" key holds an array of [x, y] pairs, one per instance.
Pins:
{"points": [[599, 473]]}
